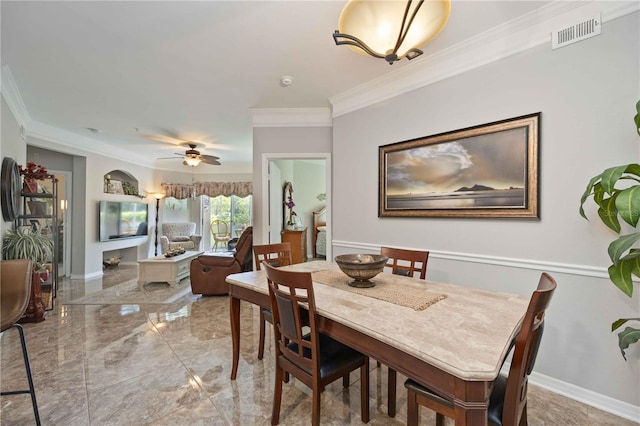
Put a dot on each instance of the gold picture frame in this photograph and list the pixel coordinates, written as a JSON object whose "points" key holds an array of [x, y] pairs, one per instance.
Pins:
{"points": [[490, 170]]}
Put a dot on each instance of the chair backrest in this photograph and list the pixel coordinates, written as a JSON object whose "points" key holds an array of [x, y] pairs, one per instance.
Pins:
{"points": [[287, 291], [278, 254], [178, 229], [406, 262], [15, 289], [526, 349], [243, 249], [219, 228]]}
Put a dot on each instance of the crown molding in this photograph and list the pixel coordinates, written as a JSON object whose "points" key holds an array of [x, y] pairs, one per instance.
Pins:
{"points": [[520, 34], [12, 96], [291, 117]]}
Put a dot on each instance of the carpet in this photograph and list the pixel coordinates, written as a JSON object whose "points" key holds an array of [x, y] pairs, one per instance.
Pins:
{"points": [[128, 293]]}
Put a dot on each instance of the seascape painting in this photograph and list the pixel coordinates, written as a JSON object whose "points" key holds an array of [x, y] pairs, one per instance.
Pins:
{"points": [[488, 170]]}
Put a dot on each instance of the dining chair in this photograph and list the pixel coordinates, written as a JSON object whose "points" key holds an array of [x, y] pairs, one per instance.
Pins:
{"points": [[508, 399], [220, 232], [15, 289], [407, 263], [278, 254], [301, 350]]}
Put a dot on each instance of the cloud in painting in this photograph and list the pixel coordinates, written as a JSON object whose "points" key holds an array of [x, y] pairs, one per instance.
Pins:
{"points": [[426, 169]]}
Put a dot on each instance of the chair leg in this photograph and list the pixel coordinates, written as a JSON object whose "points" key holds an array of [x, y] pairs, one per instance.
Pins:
{"points": [[391, 392], [345, 381], [27, 366], [523, 417], [315, 403], [277, 396], [364, 391], [412, 408], [262, 333]]}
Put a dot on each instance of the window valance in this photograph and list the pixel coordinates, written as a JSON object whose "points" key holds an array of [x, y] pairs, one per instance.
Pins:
{"points": [[211, 189]]}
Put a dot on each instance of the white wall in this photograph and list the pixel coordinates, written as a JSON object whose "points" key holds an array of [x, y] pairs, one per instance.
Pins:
{"points": [[587, 94]]}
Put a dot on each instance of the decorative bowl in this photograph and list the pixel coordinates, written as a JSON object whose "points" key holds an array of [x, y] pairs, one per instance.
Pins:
{"points": [[361, 267]]}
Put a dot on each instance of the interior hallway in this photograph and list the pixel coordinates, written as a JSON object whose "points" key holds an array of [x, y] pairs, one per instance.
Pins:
{"points": [[170, 365]]}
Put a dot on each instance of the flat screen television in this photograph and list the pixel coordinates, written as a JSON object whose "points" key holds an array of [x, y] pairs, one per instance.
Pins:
{"points": [[122, 219]]}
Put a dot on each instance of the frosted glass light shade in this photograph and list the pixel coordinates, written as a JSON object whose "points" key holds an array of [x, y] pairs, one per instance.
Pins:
{"points": [[378, 23]]}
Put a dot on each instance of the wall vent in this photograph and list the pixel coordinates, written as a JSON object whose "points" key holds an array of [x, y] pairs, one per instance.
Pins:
{"points": [[578, 32]]}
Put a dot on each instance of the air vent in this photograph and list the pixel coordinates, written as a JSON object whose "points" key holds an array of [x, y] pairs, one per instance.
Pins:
{"points": [[578, 32]]}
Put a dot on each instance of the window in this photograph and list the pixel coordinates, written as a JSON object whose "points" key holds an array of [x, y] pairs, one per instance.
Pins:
{"points": [[235, 211]]}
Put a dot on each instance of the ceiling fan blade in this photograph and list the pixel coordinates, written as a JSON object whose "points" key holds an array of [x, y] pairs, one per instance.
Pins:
{"points": [[211, 161], [168, 158], [212, 157]]}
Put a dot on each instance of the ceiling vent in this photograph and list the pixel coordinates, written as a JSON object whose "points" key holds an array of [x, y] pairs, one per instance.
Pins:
{"points": [[578, 32]]}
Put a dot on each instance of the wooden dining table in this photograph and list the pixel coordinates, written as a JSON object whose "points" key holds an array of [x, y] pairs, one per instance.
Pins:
{"points": [[454, 347]]}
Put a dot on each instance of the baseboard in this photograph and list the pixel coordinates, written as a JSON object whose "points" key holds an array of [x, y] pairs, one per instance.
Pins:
{"points": [[601, 402]]}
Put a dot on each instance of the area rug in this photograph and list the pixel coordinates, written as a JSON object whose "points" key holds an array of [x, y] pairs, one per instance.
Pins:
{"points": [[128, 293]]}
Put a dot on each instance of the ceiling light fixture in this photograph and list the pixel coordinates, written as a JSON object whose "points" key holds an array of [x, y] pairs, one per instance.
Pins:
{"points": [[373, 26], [192, 159]]}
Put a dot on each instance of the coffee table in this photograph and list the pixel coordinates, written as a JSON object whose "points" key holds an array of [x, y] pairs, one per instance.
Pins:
{"points": [[165, 269]]}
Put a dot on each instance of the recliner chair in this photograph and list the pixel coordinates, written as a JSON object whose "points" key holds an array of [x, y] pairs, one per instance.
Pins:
{"points": [[208, 272]]}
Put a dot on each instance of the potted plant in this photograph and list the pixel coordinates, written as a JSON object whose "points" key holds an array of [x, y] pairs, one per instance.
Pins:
{"points": [[28, 243], [616, 191]]}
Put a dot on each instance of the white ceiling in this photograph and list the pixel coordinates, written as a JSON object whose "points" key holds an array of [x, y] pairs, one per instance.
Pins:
{"points": [[149, 74]]}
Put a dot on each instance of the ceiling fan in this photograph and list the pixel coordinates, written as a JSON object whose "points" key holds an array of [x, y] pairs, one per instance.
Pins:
{"points": [[192, 157]]}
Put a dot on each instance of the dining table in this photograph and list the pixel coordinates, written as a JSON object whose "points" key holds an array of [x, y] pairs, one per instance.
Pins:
{"points": [[450, 338]]}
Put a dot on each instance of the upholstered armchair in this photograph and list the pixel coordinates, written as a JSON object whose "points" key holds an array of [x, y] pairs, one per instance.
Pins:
{"points": [[208, 272], [180, 234]]}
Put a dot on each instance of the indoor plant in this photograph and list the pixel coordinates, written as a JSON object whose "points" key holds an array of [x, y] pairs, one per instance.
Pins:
{"points": [[623, 201], [29, 243]]}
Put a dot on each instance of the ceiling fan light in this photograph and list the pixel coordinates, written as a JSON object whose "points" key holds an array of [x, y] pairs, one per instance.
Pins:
{"points": [[374, 27], [192, 160]]}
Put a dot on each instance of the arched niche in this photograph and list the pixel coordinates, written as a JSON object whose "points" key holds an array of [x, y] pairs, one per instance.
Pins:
{"points": [[121, 182]]}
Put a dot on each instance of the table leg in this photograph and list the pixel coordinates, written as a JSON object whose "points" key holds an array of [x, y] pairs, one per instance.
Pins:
{"points": [[467, 413], [234, 313]]}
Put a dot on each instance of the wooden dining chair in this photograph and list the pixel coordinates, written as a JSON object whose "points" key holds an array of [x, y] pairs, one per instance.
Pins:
{"points": [[15, 290], [407, 263], [278, 254], [301, 350], [508, 400]]}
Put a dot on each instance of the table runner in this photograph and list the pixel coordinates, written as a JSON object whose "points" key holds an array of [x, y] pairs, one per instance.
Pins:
{"points": [[418, 299]]}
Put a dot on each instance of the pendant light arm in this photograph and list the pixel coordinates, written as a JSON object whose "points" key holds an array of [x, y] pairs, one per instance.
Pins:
{"points": [[354, 41], [404, 31]]}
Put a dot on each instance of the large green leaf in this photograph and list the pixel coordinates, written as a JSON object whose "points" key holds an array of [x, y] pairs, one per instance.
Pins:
{"points": [[611, 176], [587, 192], [620, 275], [628, 204], [619, 247], [618, 323], [609, 214], [626, 337]]}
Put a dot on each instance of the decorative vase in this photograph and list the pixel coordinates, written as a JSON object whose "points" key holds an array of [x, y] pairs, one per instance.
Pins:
{"points": [[30, 186], [35, 309]]}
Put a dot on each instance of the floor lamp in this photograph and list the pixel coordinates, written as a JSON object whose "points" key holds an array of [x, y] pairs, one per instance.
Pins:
{"points": [[158, 196]]}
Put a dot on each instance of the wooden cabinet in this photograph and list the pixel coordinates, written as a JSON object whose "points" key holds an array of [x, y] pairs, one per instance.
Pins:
{"points": [[298, 240]]}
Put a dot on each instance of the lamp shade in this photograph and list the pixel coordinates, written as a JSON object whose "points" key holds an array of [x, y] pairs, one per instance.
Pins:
{"points": [[192, 160], [379, 24]]}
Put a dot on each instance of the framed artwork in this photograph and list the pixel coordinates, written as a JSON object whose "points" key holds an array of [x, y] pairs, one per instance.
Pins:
{"points": [[115, 187], [489, 170]]}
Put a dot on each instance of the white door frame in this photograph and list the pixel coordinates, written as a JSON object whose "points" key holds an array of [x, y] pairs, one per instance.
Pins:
{"points": [[265, 189]]}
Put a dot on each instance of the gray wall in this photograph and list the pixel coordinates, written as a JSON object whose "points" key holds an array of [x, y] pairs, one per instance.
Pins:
{"points": [[279, 140], [587, 94]]}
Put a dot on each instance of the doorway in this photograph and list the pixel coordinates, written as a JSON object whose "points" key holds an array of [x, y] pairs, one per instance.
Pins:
{"points": [[304, 171]]}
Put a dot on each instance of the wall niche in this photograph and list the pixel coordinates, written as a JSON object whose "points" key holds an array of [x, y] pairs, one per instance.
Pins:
{"points": [[121, 182]]}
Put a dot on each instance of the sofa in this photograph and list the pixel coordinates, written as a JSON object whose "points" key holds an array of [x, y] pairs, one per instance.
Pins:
{"points": [[208, 272], [179, 234]]}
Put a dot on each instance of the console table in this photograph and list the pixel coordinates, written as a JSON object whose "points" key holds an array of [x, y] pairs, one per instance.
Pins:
{"points": [[165, 269]]}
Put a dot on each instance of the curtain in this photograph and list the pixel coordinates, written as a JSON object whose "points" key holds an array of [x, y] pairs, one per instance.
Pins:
{"points": [[211, 189]]}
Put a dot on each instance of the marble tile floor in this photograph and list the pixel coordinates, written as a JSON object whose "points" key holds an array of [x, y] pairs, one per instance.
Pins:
{"points": [[170, 365]]}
